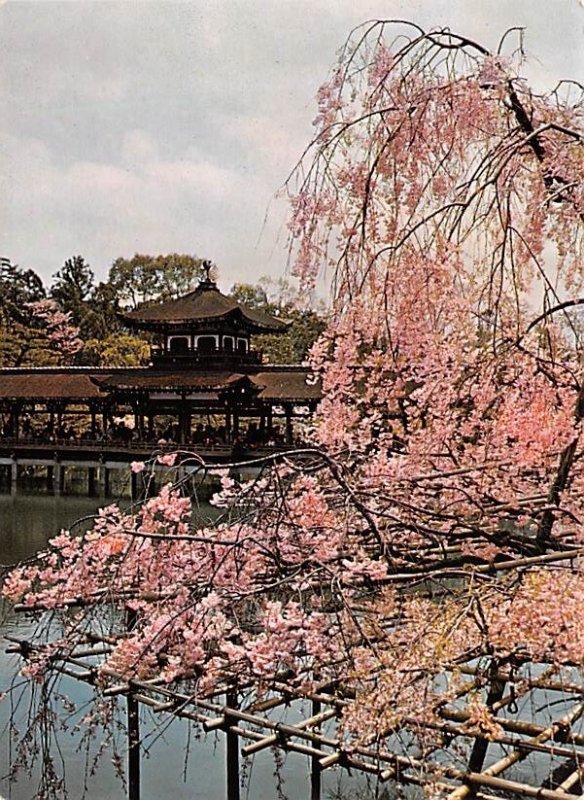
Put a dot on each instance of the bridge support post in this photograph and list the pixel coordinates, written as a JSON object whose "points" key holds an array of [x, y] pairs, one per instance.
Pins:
{"points": [[134, 487], [13, 477], [50, 479], [5, 476], [106, 482], [91, 482], [59, 479]]}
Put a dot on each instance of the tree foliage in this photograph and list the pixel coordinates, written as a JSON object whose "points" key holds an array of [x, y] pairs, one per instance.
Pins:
{"points": [[18, 288], [116, 350], [144, 278], [281, 299], [92, 309], [33, 328]]}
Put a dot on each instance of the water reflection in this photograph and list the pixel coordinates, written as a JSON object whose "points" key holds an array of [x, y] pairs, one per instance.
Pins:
{"points": [[28, 522]]}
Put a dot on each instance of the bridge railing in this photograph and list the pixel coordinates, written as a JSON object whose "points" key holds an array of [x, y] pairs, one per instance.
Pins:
{"points": [[143, 446]]}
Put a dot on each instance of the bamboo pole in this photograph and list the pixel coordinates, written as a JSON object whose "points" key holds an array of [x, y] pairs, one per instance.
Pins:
{"points": [[517, 755], [232, 753], [133, 720], [494, 697]]}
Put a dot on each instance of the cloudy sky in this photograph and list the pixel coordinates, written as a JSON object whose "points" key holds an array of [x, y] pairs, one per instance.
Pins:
{"points": [[170, 127]]}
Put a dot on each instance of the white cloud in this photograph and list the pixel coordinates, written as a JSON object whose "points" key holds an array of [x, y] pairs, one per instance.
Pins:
{"points": [[145, 203], [138, 148]]}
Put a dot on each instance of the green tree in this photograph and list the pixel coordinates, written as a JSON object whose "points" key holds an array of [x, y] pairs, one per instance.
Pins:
{"points": [[73, 285], [116, 350], [280, 299], [18, 287], [20, 333], [92, 308], [146, 279], [101, 319]]}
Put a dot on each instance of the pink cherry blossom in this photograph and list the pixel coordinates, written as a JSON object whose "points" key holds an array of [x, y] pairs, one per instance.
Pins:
{"points": [[168, 459]]}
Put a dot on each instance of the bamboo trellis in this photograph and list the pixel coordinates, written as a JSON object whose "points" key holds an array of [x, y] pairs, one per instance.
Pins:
{"points": [[251, 725]]}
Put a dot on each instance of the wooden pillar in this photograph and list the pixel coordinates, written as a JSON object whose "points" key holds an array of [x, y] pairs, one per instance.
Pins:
{"points": [[106, 482], [270, 420], [289, 431], [93, 422], [15, 422], [228, 425], [59, 479], [235, 423], [184, 425], [151, 425], [50, 479], [232, 753], [14, 477], [139, 419], [91, 482]]}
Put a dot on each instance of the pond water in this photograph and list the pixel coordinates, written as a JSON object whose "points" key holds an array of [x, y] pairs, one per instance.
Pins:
{"points": [[26, 524]]}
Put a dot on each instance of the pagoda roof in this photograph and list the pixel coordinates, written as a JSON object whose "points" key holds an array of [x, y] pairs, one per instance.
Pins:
{"points": [[292, 385], [274, 385], [168, 381], [48, 384], [206, 304], [278, 384]]}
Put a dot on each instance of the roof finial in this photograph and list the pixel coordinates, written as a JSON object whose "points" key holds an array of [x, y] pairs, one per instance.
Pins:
{"points": [[208, 270]]}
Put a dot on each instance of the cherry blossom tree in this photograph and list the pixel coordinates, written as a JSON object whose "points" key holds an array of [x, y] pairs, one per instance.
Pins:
{"points": [[436, 521], [61, 336]]}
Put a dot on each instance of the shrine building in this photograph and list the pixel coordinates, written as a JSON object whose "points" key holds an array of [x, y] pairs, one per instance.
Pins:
{"points": [[206, 385]]}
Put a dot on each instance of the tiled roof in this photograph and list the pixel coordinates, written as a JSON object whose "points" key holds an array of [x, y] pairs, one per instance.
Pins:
{"points": [[205, 304], [291, 385], [166, 380], [277, 384], [48, 385]]}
